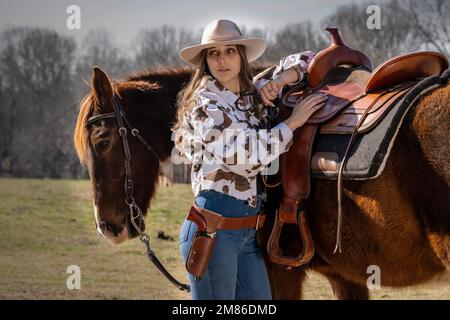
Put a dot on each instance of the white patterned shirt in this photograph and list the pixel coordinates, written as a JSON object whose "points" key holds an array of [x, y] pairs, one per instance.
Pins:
{"points": [[226, 146]]}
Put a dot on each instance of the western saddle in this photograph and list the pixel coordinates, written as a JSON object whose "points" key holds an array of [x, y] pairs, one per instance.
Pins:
{"points": [[354, 106]]}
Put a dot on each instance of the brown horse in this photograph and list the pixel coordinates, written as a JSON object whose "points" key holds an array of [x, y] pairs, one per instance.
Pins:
{"points": [[399, 221]]}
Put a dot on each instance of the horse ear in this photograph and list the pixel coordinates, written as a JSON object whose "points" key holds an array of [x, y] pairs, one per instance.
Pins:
{"points": [[103, 90]]}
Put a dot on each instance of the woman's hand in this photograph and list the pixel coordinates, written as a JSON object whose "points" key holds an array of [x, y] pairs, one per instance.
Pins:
{"points": [[271, 89], [305, 109]]}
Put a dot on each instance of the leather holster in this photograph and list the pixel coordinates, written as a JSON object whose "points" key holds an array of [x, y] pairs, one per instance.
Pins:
{"points": [[208, 222], [202, 246]]}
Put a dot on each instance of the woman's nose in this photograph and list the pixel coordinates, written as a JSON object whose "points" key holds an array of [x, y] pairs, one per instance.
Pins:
{"points": [[221, 58]]}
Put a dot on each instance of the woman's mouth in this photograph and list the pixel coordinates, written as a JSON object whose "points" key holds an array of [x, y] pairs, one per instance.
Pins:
{"points": [[223, 70]]}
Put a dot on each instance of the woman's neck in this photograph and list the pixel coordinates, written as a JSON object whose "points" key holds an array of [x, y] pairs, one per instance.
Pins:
{"points": [[232, 85]]}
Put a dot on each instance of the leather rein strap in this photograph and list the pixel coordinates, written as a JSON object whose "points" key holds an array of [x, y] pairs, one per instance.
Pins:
{"points": [[136, 216]]}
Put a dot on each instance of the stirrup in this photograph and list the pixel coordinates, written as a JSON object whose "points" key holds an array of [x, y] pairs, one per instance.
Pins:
{"points": [[290, 213]]}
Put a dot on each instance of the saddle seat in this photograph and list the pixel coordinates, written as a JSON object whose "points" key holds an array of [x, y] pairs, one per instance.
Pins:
{"points": [[357, 100], [406, 67]]}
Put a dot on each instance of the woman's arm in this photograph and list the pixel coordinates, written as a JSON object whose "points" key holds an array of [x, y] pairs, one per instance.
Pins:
{"points": [[222, 139], [290, 71]]}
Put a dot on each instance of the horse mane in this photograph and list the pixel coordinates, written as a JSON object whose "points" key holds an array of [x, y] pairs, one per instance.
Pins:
{"points": [[80, 137], [159, 74]]}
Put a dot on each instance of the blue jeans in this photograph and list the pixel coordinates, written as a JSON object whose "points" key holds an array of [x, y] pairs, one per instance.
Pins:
{"points": [[237, 269]]}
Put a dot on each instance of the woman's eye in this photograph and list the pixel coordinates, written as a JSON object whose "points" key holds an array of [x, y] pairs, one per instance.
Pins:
{"points": [[212, 53], [231, 50]]}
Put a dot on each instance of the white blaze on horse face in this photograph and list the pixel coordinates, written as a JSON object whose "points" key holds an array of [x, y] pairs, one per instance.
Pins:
{"points": [[96, 217]]}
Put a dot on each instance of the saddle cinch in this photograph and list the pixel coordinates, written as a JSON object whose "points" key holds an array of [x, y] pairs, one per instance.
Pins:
{"points": [[358, 98]]}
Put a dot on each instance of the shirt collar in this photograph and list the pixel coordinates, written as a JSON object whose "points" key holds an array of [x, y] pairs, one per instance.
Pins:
{"points": [[215, 86]]}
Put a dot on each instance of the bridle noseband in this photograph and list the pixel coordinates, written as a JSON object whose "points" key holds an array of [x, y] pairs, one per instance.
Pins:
{"points": [[136, 216]]}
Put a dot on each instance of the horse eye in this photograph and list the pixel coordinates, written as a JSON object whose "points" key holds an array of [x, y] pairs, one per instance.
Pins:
{"points": [[101, 146]]}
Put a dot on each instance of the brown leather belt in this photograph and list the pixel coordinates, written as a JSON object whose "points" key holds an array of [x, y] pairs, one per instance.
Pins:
{"points": [[210, 221]]}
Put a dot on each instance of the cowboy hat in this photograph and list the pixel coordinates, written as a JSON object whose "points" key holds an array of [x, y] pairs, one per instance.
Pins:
{"points": [[223, 32]]}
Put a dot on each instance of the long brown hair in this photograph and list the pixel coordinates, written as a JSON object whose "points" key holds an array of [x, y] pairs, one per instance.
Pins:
{"points": [[187, 98]]}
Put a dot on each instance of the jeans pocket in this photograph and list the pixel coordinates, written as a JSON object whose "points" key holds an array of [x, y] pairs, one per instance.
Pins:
{"points": [[201, 198], [187, 231], [184, 231], [188, 228]]}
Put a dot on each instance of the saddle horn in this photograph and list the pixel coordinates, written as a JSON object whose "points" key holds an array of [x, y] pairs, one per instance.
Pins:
{"points": [[335, 36], [336, 54]]}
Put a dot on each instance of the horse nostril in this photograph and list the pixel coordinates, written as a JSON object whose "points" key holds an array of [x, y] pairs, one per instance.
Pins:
{"points": [[102, 227], [108, 229]]}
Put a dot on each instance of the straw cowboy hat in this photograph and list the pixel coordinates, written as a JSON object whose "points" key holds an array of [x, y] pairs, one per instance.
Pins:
{"points": [[223, 32]]}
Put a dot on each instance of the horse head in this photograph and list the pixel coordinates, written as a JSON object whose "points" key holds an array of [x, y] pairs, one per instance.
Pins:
{"points": [[123, 167]]}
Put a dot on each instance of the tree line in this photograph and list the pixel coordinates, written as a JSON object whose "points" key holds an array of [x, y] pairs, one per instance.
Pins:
{"points": [[43, 73]]}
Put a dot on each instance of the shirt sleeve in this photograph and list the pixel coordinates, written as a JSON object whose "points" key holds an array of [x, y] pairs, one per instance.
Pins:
{"points": [[221, 138], [300, 61]]}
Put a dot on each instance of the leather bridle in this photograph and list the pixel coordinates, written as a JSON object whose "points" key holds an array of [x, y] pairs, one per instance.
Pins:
{"points": [[136, 216]]}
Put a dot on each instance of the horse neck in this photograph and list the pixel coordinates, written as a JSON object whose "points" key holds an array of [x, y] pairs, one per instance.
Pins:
{"points": [[170, 85]]}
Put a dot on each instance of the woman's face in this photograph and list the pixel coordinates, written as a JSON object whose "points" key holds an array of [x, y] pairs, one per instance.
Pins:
{"points": [[224, 63]]}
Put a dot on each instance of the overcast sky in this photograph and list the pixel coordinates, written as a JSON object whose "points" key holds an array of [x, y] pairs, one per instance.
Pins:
{"points": [[125, 18]]}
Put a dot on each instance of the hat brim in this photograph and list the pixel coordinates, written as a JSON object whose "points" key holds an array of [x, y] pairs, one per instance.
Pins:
{"points": [[255, 47]]}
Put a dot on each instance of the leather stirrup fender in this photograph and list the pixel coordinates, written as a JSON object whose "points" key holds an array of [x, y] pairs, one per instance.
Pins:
{"points": [[296, 186]]}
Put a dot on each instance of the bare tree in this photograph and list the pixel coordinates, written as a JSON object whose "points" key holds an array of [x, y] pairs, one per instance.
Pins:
{"points": [[431, 22], [36, 73], [5, 126], [161, 46], [297, 37], [99, 48]]}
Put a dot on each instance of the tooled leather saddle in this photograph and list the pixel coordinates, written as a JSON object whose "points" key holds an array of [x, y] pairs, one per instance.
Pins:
{"points": [[358, 98]]}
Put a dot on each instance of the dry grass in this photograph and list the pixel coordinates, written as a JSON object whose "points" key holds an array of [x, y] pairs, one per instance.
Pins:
{"points": [[47, 225]]}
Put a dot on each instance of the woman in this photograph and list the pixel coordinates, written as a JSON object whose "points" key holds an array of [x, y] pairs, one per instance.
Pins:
{"points": [[218, 131]]}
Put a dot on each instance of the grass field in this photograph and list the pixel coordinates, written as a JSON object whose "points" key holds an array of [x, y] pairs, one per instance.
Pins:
{"points": [[48, 225]]}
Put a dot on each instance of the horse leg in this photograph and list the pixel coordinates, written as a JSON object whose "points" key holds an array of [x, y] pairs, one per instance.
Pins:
{"points": [[286, 284], [347, 290]]}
